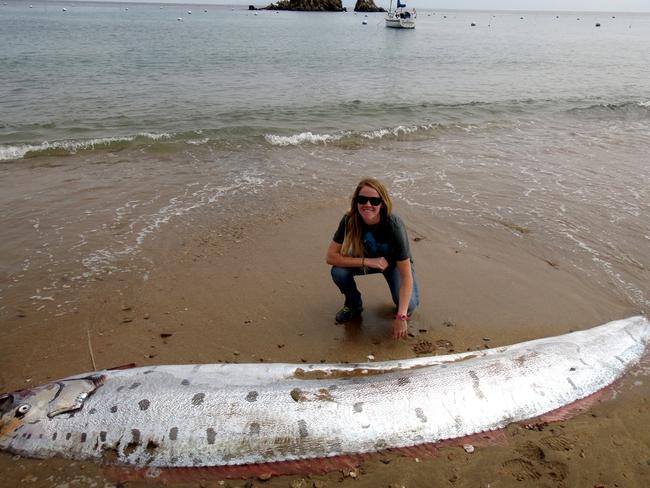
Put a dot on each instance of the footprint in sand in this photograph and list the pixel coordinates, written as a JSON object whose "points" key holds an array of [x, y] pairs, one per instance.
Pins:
{"points": [[557, 443], [423, 347], [532, 464]]}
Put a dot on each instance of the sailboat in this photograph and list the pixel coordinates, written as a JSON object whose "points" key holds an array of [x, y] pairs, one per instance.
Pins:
{"points": [[400, 18]]}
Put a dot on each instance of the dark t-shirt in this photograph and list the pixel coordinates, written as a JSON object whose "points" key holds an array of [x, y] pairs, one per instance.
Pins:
{"points": [[386, 239]]}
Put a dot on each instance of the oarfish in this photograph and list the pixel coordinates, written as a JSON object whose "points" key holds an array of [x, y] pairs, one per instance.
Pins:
{"points": [[242, 414]]}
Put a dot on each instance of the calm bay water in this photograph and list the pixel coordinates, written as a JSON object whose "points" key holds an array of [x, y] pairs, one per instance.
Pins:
{"points": [[115, 123]]}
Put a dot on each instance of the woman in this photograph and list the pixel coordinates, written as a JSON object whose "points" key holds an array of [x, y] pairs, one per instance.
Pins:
{"points": [[371, 239]]}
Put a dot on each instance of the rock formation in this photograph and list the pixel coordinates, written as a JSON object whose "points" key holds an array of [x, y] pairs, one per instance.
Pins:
{"points": [[367, 6], [308, 5]]}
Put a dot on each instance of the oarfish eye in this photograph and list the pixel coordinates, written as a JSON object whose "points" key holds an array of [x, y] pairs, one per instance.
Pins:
{"points": [[23, 409]]}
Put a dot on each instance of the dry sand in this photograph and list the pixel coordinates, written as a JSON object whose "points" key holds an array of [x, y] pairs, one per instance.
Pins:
{"points": [[260, 291]]}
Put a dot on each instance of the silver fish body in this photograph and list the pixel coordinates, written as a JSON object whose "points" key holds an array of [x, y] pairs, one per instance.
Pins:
{"points": [[234, 414]]}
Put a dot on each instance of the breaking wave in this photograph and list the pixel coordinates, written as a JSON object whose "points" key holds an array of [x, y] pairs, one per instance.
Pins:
{"points": [[348, 136], [63, 148]]}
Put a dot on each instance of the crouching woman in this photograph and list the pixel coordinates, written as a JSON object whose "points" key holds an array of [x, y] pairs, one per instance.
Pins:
{"points": [[371, 239]]}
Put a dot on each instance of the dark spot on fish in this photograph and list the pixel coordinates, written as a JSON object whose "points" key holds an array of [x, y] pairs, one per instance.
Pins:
{"points": [[149, 371], [40, 436], [252, 396], [135, 442], [68, 435], [173, 460], [196, 462], [110, 454], [83, 437], [297, 395], [572, 383], [196, 368], [403, 381], [381, 444], [54, 436], [302, 428], [173, 433], [198, 399], [212, 435], [228, 457], [572, 369], [476, 384], [92, 411], [254, 428], [134, 385], [135, 435], [185, 382], [151, 447], [120, 388], [102, 436], [333, 387], [620, 359], [420, 414], [144, 404], [114, 409], [358, 407]]}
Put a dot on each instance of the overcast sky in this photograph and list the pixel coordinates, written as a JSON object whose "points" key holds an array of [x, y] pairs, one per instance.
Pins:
{"points": [[553, 5]]}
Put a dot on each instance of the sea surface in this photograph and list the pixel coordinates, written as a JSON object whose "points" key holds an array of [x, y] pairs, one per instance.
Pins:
{"points": [[118, 121]]}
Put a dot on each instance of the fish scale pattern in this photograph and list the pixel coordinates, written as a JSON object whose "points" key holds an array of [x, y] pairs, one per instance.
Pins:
{"points": [[238, 414]]}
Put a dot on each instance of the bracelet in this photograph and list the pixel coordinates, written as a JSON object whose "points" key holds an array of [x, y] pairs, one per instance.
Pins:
{"points": [[363, 260], [401, 317]]}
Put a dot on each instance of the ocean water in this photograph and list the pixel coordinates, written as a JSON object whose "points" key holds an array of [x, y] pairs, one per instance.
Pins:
{"points": [[118, 121]]}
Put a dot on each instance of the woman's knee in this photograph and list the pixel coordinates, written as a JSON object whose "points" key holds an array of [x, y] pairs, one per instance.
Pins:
{"points": [[341, 275]]}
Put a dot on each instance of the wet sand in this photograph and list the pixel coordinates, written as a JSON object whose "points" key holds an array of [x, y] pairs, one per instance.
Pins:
{"points": [[250, 291]]}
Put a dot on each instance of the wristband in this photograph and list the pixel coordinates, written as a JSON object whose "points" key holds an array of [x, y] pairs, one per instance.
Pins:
{"points": [[401, 316]]}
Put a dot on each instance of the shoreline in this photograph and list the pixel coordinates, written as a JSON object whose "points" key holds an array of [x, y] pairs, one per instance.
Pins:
{"points": [[246, 292]]}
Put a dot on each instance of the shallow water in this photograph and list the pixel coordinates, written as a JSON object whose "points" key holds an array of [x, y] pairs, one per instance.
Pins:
{"points": [[117, 124]]}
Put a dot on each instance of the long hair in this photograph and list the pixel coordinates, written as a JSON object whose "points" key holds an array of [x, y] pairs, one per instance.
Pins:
{"points": [[352, 242]]}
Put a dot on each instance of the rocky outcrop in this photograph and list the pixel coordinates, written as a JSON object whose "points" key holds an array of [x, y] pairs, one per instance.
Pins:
{"points": [[308, 5], [367, 6]]}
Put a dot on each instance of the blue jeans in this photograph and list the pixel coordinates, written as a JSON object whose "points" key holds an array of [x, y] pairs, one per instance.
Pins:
{"points": [[344, 279]]}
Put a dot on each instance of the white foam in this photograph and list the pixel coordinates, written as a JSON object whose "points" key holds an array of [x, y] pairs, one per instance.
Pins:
{"points": [[303, 137], [11, 152]]}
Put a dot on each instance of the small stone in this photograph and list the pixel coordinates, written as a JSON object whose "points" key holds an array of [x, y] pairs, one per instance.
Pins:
{"points": [[165, 335], [126, 308], [353, 473], [371, 357], [299, 483], [146, 316], [127, 320], [235, 353], [468, 448], [20, 314], [264, 476], [486, 339]]}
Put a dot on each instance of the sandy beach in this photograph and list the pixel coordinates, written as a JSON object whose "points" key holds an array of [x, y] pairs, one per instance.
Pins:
{"points": [[259, 290]]}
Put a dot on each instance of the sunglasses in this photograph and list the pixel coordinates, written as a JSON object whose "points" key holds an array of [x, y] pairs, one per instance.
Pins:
{"points": [[374, 201]]}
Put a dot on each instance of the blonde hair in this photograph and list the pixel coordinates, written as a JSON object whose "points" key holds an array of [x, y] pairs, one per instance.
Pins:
{"points": [[352, 242]]}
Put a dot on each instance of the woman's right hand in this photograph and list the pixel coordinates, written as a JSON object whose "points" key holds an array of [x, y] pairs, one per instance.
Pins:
{"points": [[377, 263]]}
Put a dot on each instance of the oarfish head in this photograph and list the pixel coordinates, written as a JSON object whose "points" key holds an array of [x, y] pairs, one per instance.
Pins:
{"points": [[22, 411]]}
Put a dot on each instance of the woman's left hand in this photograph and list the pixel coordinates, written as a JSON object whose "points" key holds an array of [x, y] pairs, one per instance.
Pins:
{"points": [[400, 328]]}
